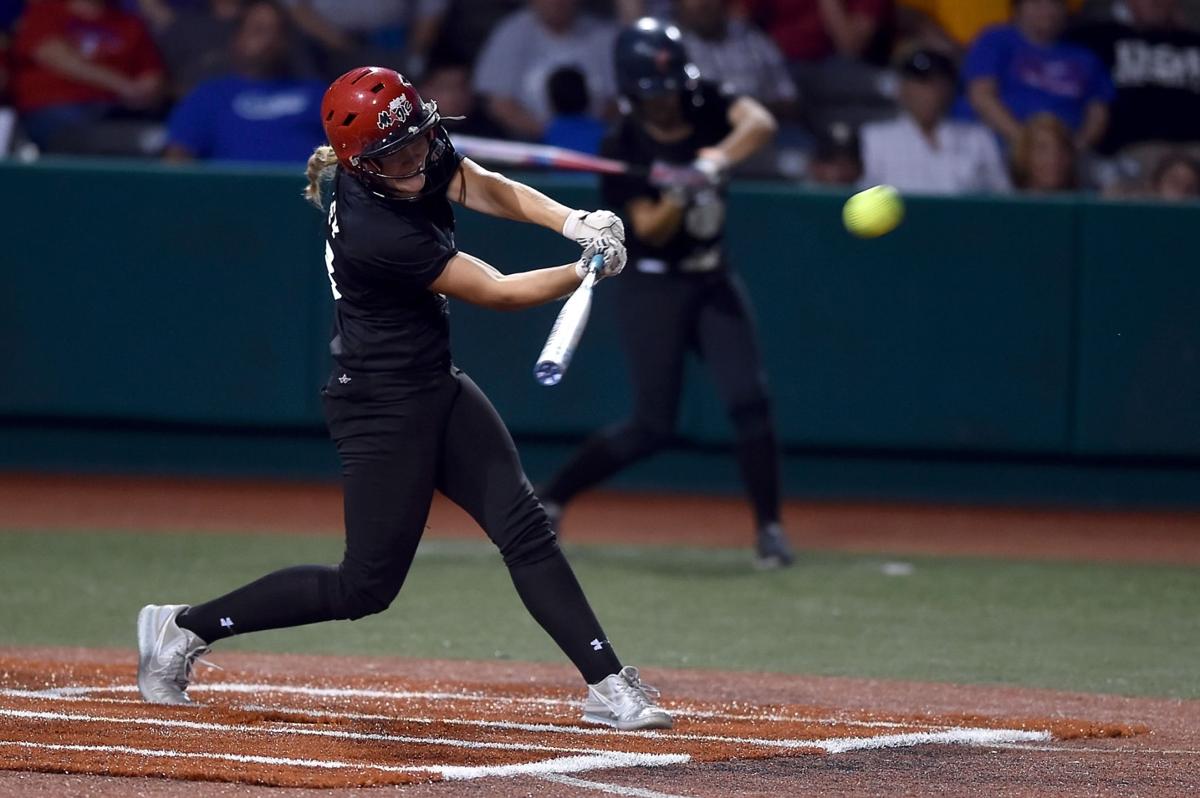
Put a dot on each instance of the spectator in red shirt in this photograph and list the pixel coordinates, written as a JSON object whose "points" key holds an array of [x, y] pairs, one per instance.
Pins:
{"points": [[813, 30], [75, 62]]}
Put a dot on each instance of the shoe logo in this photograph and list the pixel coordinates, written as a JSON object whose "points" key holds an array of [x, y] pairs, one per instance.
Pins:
{"points": [[598, 644], [345, 378], [227, 623]]}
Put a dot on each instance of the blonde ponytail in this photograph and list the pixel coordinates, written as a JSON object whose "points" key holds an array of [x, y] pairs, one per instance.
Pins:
{"points": [[320, 171]]}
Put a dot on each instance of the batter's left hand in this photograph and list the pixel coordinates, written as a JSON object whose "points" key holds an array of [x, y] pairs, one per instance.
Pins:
{"points": [[584, 228], [614, 258]]}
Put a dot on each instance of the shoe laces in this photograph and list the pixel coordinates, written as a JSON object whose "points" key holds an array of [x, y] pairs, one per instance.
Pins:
{"points": [[190, 658], [631, 684]]}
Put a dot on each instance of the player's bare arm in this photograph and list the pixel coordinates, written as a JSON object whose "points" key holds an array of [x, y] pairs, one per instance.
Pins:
{"points": [[984, 96], [753, 128], [655, 221], [492, 193], [140, 92], [472, 280], [1095, 123]]}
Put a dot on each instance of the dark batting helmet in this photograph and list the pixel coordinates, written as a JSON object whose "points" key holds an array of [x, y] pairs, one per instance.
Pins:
{"points": [[372, 112], [650, 59]]}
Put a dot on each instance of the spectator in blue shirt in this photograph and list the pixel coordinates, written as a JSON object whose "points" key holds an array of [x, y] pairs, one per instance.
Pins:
{"points": [[259, 113], [1013, 72], [571, 126]]}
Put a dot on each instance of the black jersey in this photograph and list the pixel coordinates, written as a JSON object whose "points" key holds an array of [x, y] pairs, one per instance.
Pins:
{"points": [[697, 245], [381, 255]]}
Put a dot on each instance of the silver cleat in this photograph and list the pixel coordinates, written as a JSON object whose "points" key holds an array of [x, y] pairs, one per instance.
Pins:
{"points": [[166, 654], [623, 702]]}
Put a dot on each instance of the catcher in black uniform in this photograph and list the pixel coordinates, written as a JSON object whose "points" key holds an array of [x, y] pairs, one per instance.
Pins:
{"points": [[405, 421], [680, 294]]}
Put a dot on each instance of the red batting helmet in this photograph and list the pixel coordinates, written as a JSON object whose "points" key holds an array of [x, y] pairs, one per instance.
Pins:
{"points": [[371, 112]]}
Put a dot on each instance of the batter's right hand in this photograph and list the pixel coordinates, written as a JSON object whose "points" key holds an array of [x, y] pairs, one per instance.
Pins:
{"points": [[614, 255]]}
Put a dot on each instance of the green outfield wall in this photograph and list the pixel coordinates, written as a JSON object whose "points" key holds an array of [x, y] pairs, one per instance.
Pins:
{"points": [[157, 301]]}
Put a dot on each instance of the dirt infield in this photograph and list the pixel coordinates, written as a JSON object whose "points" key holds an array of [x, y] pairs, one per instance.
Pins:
{"points": [[71, 724], [512, 729], [58, 502]]}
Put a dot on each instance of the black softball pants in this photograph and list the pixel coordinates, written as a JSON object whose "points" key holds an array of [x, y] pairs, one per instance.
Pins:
{"points": [[663, 317], [399, 441]]}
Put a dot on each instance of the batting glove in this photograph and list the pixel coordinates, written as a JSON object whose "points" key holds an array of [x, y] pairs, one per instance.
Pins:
{"points": [[614, 258], [583, 227], [713, 164]]}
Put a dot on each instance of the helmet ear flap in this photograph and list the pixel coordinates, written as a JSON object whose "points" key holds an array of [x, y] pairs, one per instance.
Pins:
{"points": [[437, 146]]}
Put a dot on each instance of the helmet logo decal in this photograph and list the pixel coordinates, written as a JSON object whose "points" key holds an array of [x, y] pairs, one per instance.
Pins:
{"points": [[396, 113]]}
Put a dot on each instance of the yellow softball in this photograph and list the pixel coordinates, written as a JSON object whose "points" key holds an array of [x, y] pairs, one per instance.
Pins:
{"points": [[874, 212]]}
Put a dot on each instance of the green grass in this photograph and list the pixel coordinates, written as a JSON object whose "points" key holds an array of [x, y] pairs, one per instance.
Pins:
{"points": [[1091, 627]]}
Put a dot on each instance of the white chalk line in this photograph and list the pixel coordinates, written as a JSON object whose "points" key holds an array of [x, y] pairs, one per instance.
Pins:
{"points": [[400, 695], [611, 789], [1066, 749], [550, 728], [292, 729], [972, 737], [573, 764], [38, 695]]}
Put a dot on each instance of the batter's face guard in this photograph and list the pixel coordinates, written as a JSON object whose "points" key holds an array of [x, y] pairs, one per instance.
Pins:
{"points": [[652, 63], [382, 130]]}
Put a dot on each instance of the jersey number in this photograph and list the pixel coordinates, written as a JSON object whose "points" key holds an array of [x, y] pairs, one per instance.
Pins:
{"points": [[333, 231]]}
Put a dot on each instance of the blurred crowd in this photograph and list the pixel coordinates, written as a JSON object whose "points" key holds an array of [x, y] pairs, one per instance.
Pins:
{"points": [[931, 96]]}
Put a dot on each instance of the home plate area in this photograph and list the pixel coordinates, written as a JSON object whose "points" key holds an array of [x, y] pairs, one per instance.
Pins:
{"points": [[372, 730]]}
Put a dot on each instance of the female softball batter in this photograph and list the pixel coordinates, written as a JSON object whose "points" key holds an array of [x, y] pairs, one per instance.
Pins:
{"points": [[680, 294], [405, 421]]}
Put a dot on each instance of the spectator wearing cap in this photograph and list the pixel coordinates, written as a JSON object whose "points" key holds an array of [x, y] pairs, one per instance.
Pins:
{"points": [[736, 54], [78, 62], [260, 113], [511, 73], [836, 157], [1015, 71], [922, 150], [1155, 63]]}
